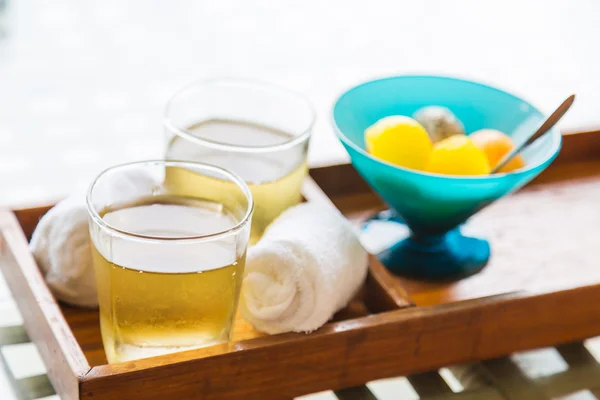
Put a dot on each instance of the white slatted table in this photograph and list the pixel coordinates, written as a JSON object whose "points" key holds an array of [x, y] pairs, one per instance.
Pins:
{"points": [[83, 85]]}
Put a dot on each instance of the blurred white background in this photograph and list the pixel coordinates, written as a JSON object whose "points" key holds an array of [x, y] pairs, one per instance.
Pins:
{"points": [[83, 83]]}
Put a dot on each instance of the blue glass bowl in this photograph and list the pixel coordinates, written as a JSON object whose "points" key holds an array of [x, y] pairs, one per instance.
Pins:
{"points": [[434, 206]]}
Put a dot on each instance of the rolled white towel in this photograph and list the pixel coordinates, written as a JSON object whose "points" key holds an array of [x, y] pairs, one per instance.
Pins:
{"points": [[61, 241], [61, 246], [308, 265]]}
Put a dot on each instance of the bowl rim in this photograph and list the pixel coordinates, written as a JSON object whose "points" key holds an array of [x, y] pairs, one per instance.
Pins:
{"points": [[555, 132]]}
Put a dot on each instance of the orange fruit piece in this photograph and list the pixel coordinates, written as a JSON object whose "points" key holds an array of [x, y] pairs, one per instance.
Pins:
{"points": [[399, 140], [496, 145], [457, 155]]}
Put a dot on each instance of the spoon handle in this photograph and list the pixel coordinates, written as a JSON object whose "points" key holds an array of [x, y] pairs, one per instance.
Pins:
{"points": [[545, 127]]}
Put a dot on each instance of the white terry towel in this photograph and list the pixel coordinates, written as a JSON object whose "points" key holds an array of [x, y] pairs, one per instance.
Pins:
{"points": [[61, 247], [308, 265], [61, 242]]}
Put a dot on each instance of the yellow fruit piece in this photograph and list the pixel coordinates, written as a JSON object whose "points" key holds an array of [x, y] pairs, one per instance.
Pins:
{"points": [[496, 145], [400, 141], [457, 155]]}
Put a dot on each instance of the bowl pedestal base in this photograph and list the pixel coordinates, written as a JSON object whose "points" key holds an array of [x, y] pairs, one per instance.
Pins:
{"points": [[445, 257]]}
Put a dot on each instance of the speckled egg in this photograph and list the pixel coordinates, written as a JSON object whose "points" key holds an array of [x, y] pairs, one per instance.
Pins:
{"points": [[439, 122]]}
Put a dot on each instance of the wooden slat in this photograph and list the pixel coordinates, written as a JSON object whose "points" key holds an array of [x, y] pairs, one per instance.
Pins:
{"points": [[429, 384], [34, 387], [13, 335], [577, 355], [43, 319], [511, 382], [355, 393], [583, 372], [471, 376], [28, 388], [570, 381], [488, 393]]}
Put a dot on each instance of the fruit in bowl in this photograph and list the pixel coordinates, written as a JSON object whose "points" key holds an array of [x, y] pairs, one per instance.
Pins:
{"points": [[496, 145], [458, 155], [440, 122], [399, 140], [442, 148]]}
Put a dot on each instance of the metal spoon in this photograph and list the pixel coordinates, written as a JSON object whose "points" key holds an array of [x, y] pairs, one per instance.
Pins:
{"points": [[547, 125]]}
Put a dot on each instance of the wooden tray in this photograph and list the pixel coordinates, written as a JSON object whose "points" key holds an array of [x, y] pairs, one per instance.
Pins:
{"points": [[542, 287]]}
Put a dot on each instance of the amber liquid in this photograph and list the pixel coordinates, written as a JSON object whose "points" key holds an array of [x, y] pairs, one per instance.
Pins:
{"points": [[164, 297], [275, 179]]}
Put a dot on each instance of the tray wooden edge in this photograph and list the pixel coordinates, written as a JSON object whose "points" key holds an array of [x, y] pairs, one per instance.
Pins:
{"points": [[43, 319], [389, 344], [28, 216], [579, 146]]}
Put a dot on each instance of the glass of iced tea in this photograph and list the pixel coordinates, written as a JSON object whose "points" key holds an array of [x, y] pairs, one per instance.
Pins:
{"points": [[260, 132], [169, 262]]}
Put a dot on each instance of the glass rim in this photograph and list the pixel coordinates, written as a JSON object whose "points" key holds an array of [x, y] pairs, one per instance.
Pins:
{"points": [[179, 239], [188, 135]]}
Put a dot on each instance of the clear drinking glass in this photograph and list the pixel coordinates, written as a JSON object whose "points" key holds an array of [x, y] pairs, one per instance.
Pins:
{"points": [[260, 132], [169, 262]]}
